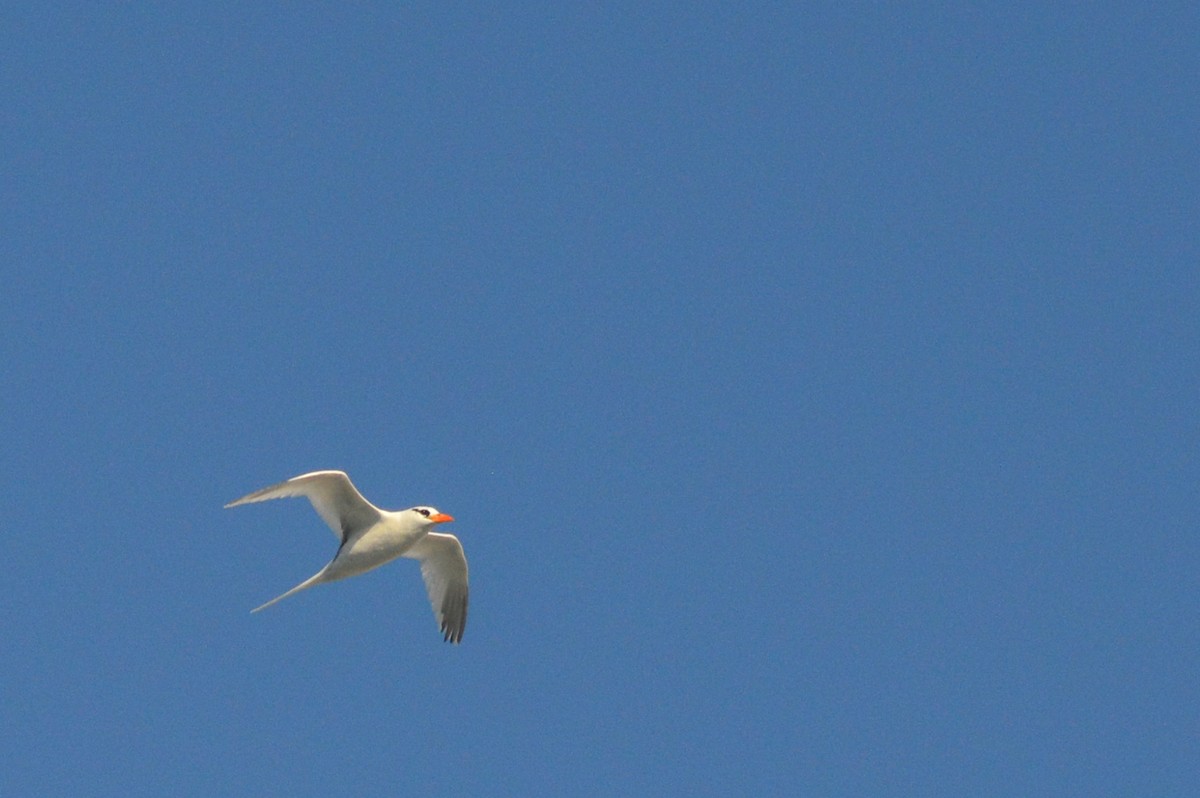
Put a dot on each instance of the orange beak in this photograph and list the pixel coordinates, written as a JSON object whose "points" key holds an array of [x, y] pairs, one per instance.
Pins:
{"points": [[441, 518]]}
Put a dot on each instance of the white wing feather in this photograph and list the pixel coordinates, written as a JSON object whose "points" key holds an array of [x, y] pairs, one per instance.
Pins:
{"points": [[333, 496], [444, 568]]}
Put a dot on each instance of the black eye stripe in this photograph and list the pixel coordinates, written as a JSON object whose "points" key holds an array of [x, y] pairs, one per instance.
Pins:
{"points": [[422, 511]]}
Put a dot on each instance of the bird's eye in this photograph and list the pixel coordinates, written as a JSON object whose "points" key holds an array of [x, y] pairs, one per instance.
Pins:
{"points": [[422, 511]]}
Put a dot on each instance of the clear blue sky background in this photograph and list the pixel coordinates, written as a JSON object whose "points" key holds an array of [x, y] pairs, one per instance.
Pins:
{"points": [[815, 387]]}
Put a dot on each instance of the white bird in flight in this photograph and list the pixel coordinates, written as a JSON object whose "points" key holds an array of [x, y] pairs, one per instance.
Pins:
{"points": [[371, 537]]}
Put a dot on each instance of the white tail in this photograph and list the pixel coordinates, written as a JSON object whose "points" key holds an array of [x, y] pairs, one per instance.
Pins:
{"points": [[315, 579]]}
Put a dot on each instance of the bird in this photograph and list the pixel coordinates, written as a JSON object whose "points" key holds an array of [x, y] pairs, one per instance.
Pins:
{"points": [[371, 537]]}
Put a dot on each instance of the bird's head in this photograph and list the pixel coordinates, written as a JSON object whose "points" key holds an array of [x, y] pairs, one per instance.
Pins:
{"points": [[431, 515]]}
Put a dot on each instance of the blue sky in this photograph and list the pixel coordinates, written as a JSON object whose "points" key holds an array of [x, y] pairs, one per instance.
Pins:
{"points": [[809, 381]]}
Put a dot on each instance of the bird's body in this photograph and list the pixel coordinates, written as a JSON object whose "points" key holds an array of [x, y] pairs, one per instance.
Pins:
{"points": [[384, 541], [371, 537]]}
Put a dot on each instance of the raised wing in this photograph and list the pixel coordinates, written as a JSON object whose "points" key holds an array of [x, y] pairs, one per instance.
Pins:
{"points": [[333, 496], [444, 567]]}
